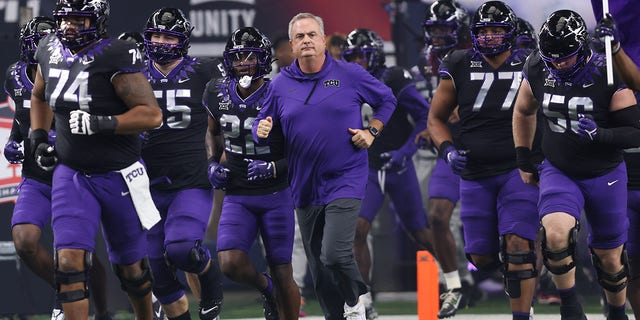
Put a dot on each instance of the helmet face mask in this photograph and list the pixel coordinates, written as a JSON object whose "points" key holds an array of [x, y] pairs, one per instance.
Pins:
{"points": [[30, 36], [489, 17], [247, 53], [365, 44], [170, 22], [70, 12], [563, 36], [443, 24]]}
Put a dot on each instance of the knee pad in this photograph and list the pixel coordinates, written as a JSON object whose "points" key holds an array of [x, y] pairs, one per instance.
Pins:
{"points": [[607, 280], [65, 277], [165, 282], [136, 287], [493, 265], [569, 251], [189, 256], [512, 278]]}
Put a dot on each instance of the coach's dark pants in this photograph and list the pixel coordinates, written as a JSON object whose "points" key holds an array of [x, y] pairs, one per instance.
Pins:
{"points": [[328, 232]]}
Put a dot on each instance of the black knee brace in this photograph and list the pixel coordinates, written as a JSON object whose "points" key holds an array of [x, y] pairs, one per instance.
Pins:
{"points": [[607, 280], [512, 278], [135, 286], [569, 251], [64, 277]]}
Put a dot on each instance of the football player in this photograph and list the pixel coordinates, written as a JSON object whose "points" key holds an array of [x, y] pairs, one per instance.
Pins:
{"points": [[498, 210], [391, 169], [33, 206], [628, 70], [93, 87], [258, 199], [446, 28], [588, 123], [176, 158]]}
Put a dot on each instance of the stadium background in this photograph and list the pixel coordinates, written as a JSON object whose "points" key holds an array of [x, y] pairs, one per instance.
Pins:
{"points": [[398, 23]]}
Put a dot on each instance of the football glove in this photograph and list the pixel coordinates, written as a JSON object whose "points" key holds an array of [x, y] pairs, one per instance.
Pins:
{"points": [[456, 159], [260, 170], [218, 175], [44, 154], [607, 27], [13, 152], [395, 161], [587, 128]]}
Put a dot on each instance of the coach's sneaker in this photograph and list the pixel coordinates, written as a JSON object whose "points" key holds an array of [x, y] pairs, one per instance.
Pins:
{"points": [[356, 312], [451, 301], [209, 310], [370, 310]]}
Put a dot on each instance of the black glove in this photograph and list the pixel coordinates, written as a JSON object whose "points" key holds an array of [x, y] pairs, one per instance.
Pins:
{"points": [[43, 153]]}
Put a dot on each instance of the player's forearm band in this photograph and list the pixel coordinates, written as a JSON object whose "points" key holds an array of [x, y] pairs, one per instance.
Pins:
{"points": [[281, 166], [106, 124], [37, 137], [523, 159]]}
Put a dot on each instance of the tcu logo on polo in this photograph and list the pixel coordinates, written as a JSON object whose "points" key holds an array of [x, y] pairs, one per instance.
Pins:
{"points": [[332, 82], [134, 174]]}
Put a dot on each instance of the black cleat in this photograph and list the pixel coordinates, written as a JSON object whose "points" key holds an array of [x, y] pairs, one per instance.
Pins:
{"points": [[209, 310]]}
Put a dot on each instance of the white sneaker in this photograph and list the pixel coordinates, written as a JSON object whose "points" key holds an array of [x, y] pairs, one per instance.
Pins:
{"points": [[356, 312], [57, 314], [370, 311], [531, 313]]}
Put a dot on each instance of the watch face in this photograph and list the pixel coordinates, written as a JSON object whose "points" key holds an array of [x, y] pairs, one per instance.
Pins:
{"points": [[373, 131]]}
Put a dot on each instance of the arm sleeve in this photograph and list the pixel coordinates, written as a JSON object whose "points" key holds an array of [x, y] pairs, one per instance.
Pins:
{"points": [[15, 134], [15, 126], [626, 134], [281, 166]]}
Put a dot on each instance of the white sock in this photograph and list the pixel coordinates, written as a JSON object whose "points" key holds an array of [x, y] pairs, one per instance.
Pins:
{"points": [[452, 280]]}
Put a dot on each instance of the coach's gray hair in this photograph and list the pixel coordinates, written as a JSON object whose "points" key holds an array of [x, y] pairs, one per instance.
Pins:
{"points": [[305, 15]]}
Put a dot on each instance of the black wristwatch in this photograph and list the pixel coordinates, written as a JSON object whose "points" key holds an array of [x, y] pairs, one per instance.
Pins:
{"points": [[374, 131]]}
